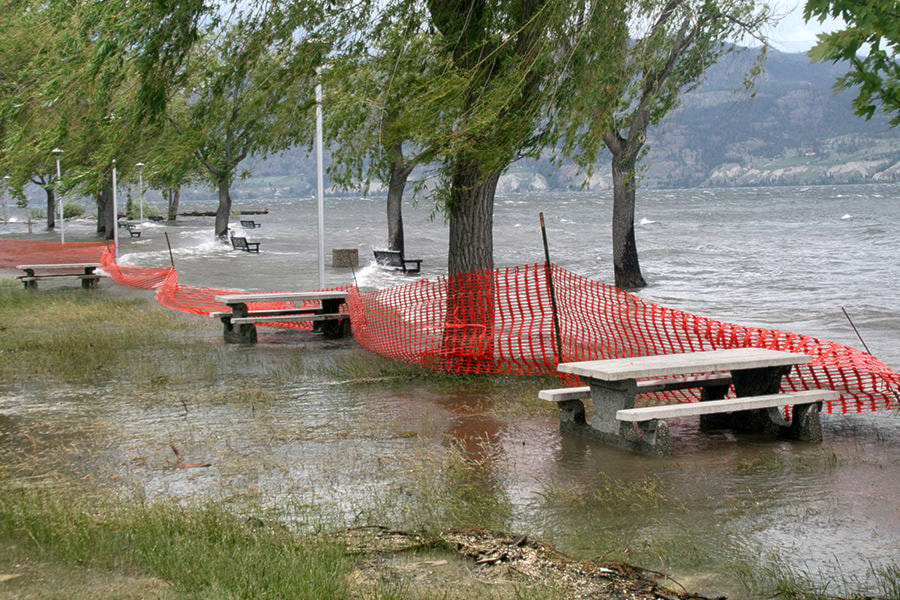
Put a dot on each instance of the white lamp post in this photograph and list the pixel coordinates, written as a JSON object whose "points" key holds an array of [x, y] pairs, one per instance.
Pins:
{"points": [[115, 213], [140, 167], [62, 223], [320, 182], [5, 196]]}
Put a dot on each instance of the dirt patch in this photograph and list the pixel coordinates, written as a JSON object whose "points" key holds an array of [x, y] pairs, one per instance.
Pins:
{"points": [[463, 560]]}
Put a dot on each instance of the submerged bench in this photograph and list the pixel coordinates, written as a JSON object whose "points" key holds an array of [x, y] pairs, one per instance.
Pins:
{"points": [[241, 243], [755, 374], [394, 259], [250, 224], [83, 271], [239, 324]]}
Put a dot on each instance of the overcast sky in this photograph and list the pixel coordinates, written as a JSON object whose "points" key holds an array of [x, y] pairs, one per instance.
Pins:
{"points": [[793, 34]]}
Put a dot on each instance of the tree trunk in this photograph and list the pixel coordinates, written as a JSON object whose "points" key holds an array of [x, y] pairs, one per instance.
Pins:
{"points": [[467, 344], [130, 213], [399, 175], [106, 213], [51, 207], [625, 256], [223, 212], [173, 197], [471, 208]]}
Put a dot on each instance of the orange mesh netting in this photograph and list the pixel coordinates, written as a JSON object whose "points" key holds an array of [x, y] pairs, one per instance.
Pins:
{"points": [[501, 321], [20, 252]]}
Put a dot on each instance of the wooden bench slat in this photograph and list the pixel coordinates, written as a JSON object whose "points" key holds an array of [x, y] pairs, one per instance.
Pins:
{"points": [[687, 409]]}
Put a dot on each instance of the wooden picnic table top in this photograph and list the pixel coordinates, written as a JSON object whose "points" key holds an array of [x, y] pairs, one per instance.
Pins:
{"points": [[61, 266], [276, 296], [685, 363]]}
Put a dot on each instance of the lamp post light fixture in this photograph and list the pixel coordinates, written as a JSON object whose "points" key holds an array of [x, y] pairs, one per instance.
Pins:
{"points": [[140, 167], [62, 224]]}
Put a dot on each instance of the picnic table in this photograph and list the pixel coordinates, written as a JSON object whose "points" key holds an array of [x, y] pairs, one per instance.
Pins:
{"points": [[322, 308], [83, 271], [754, 373]]}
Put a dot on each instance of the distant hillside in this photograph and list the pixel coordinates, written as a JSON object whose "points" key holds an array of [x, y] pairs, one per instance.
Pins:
{"points": [[792, 130]]}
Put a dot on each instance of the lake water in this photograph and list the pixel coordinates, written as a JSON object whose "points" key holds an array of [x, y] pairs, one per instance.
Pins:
{"points": [[784, 258]]}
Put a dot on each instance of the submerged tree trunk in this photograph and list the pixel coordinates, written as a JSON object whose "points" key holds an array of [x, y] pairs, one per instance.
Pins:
{"points": [[223, 212], [468, 334], [106, 213], [471, 209], [399, 175], [173, 198], [51, 207], [624, 172]]}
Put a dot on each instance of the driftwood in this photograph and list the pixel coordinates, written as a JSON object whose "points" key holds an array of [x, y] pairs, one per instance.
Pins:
{"points": [[212, 213]]}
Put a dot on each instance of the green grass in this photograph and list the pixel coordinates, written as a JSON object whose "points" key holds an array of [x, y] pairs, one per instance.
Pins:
{"points": [[76, 337], [200, 552]]}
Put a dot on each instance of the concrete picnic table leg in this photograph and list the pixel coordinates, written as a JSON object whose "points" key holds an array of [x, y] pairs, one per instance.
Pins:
{"points": [[609, 397], [763, 381], [337, 328], [90, 280], [244, 333]]}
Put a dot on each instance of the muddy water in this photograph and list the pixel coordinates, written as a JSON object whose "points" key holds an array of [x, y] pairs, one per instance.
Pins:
{"points": [[719, 508], [376, 454]]}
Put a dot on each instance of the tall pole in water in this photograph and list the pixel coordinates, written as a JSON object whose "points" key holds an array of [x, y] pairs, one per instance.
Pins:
{"points": [[320, 179], [140, 167], [62, 223], [115, 213]]}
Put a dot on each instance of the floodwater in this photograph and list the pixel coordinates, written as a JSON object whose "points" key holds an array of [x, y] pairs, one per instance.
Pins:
{"points": [[720, 508]]}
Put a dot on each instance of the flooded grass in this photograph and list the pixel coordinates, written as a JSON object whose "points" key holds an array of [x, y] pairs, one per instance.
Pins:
{"points": [[104, 400]]}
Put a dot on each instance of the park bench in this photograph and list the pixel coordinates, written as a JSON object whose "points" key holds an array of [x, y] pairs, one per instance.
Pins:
{"points": [[755, 374], [394, 259], [239, 322], [241, 243], [83, 271], [250, 224], [133, 227]]}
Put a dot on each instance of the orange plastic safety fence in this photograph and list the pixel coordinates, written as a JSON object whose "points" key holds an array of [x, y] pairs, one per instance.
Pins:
{"points": [[502, 322], [33, 252], [143, 277]]}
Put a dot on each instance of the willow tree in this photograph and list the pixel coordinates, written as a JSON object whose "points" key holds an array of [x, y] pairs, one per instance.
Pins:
{"points": [[76, 89], [249, 84], [520, 71], [378, 110], [870, 43], [674, 43]]}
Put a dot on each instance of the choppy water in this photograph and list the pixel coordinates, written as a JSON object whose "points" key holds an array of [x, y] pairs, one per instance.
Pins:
{"points": [[787, 258]]}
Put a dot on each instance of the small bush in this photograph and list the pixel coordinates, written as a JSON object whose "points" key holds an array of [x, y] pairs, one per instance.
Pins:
{"points": [[72, 210]]}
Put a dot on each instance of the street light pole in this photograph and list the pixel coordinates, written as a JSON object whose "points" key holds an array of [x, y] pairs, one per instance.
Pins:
{"points": [[140, 167], [62, 223], [320, 185]]}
